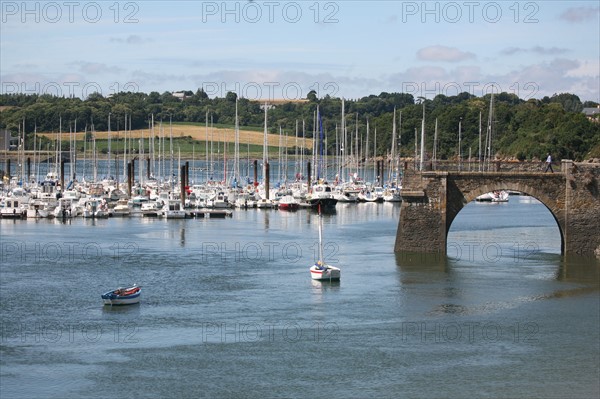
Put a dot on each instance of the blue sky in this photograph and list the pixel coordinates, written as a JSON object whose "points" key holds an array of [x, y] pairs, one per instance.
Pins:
{"points": [[283, 49]]}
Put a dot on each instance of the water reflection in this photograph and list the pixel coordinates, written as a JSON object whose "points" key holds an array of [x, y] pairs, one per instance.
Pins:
{"points": [[422, 262], [129, 309], [266, 212], [579, 269], [319, 286]]}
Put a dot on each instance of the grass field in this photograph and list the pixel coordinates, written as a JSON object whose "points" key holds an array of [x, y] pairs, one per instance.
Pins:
{"points": [[188, 138]]}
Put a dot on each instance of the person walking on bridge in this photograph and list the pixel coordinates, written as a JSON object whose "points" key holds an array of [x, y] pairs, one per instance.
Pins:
{"points": [[549, 164]]}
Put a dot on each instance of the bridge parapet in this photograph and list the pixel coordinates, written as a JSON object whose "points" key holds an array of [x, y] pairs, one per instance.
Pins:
{"points": [[476, 166]]}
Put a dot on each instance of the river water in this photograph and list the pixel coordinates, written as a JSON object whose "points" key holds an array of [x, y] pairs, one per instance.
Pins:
{"points": [[229, 310]]}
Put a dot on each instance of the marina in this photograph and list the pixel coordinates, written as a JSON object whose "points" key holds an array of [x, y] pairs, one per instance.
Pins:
{"points": [[151, 197], [228, 304]]}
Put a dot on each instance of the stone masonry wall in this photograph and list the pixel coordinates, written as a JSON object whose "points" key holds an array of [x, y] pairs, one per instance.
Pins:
{"points": [[583, 209], [431, 201]]}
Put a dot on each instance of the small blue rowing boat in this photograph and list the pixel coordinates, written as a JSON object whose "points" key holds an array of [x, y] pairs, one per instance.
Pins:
{"points": [[123, 296]]}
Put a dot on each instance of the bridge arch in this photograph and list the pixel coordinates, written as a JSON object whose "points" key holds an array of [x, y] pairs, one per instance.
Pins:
{"points": [[432, 199], [454, 209]]}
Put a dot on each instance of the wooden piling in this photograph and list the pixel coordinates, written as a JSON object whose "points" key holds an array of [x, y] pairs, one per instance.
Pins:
{"points": [[182, 182], [129, 179], [62, 175], [308, 165], [255, 172], [267, 179]]}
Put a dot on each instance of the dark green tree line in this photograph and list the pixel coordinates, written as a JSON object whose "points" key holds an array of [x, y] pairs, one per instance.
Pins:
{"points": [[520, 129]]}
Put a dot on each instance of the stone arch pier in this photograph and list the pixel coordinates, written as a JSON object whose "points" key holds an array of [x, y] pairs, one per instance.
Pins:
{"points": [[431, 201]]}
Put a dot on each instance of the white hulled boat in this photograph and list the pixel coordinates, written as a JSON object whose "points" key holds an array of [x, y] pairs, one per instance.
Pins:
{"points": [[493, 196], [321, 270]]}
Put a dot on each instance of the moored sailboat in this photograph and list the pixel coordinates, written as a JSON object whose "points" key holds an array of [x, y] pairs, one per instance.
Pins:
{"points": [[321, 270]]}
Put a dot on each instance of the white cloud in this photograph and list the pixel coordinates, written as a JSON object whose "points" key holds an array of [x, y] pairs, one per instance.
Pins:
{"points": [[581, 14], [131, 39], [586, 68], [535, 50], [96, 68], [443, 54]]}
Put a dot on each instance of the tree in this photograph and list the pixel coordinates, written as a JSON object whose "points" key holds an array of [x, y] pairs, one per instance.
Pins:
{"points": [[231, 96], [569, 102]]}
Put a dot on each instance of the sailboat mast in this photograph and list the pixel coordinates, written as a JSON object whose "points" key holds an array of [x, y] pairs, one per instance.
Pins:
{"points": [[265, 147], [59, 150], [376, 176], [315, 143], [171, 150], [435, 138], [108, 161], [393, 152], [160, 145], [343, 141], [479, 141], [321, 146], [416, 146], [74, 158], [280, 155], [125, 151], [84, 149], [206, 145], [296, 152], [212, 132], [34, 151], [236, 161], [356, 143], [70, 150], [151, 149], [488, 138], [304, 143], [422, 138], [94, 155], [366, 151], [321, 237]]}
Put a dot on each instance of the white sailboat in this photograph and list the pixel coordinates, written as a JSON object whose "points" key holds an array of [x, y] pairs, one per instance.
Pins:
{"points": [[321, 270], [493, 196]]}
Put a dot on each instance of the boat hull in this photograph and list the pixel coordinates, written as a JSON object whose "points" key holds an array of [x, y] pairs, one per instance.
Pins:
{"points": [[494, 196], [326, 204], [174, 214], [114, 299], [289, 207], [329, 273], [121, 302]]}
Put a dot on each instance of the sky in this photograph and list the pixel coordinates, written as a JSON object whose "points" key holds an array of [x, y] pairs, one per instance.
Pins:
{"points": [[284, 49]]}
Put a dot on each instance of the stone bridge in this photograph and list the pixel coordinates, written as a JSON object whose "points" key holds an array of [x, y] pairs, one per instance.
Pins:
{"points": [[432, 199]]}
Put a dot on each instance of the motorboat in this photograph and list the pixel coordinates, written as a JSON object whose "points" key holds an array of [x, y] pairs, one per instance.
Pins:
{"points": [[321, 196], [493, 196], [95, 208], [288, 203], [173, 210], [121, 208], [14, 207], [150, 209]]}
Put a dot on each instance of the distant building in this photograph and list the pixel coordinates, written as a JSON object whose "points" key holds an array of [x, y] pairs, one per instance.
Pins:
{"points": [[7, 141], [592, 114], [180, 95], [275, 102]]}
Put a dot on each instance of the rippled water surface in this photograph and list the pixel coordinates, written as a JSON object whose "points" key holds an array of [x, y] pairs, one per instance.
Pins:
{"points": [[229, 310]]}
